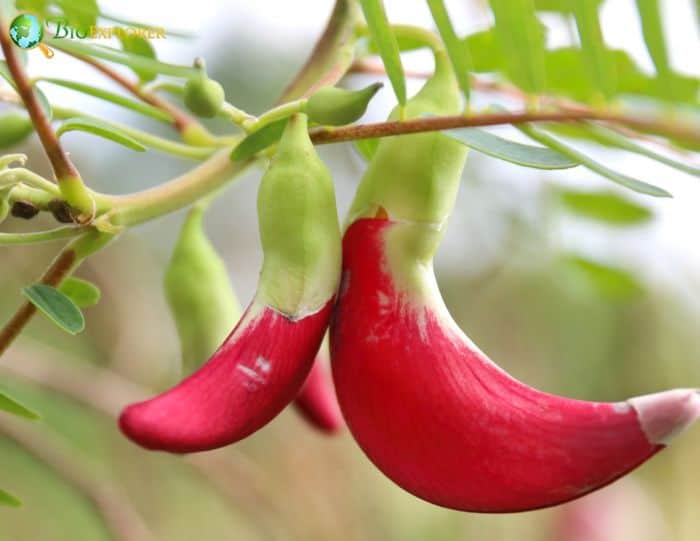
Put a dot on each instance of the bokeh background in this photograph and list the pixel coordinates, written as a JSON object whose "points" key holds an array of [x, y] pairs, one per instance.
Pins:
{"points": [[582, 307]]}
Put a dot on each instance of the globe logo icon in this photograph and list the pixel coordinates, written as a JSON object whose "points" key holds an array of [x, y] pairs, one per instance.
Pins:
{"points": [[26, 31]]}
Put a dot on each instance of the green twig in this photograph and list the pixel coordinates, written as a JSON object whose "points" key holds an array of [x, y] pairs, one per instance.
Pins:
{"points": [[8, 239]]}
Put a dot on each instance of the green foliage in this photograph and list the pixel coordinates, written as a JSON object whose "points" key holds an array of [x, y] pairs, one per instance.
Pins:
{"points": [[56, 306], [456, 49], [599, 61], [520, 37], [127, 58], [613, 283], [101, 129], [604, 206], [141, 47], [8, 499], [43, 101], [112, 97], [511, 151], [387, 45], [10, 405], [78, 13], [259, 140], [595, 166], [81, 292]]}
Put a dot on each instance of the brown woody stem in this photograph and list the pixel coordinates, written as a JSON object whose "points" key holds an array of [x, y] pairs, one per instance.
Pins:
{"points": [[386, 129], [181, 120], [56, 272], [60, 162]]}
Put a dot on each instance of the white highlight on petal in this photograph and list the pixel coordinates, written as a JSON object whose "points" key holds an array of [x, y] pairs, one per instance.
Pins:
{"points": [[664, 415]]}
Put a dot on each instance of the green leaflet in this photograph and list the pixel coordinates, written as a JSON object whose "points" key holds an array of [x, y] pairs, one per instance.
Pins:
{"points": [[511, 151], [259, 140], [457, 49], [604, 206], [101, 129], [8, 499], [81, 292], [117, 99], [387, 45], [10, 405], [56, 306]]}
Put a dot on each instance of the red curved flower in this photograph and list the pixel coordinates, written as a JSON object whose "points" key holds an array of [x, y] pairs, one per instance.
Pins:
{"points": [[317, 402], [444, 422], [257, 371]]}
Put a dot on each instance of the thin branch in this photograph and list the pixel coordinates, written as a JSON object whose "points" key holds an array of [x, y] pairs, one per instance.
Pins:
{"points": [[331, 56], [384, 129], [67, 260], [35, 237], [122, 520], [56, 272], [62, 166], [181, 120]]}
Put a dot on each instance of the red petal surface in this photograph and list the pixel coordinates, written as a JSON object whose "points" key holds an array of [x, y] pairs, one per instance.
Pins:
{"points": [[445, 423], [317, 402], [257, 371]]}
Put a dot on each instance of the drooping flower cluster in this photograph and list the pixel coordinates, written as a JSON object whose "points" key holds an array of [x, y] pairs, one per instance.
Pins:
{"points": [[423, 402]]}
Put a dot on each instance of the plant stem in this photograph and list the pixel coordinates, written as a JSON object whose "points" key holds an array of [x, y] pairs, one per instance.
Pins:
{"points": [[276, 113], [147, 139], [236, 115], [673, 130], [66, 174], [8, 239], [38, 198], [178, 193], [332, 54], [18, 175]]}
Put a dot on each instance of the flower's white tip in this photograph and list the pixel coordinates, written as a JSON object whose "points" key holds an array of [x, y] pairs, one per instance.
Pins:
{"points": [[664, 415]]}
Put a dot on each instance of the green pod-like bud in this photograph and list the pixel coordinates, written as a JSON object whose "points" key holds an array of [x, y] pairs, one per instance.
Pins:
{"points": [[416, 177], [299, 228], [14, 128], [337, 106], [199, 293], [203, 96]]}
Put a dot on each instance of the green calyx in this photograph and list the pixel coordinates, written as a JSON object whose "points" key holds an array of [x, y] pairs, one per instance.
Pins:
{"points": [[415, 177], [199, 293], [337, 106], [203, 96], [299, 228]]}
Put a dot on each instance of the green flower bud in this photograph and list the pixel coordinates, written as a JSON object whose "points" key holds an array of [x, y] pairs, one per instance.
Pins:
{"points": [[204, 96], [337, 106], [14, 128], [199, 293], [299, 228]]}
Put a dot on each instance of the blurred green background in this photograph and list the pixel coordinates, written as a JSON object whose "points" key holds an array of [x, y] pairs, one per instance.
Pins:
{"points": [[593, 307]]}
